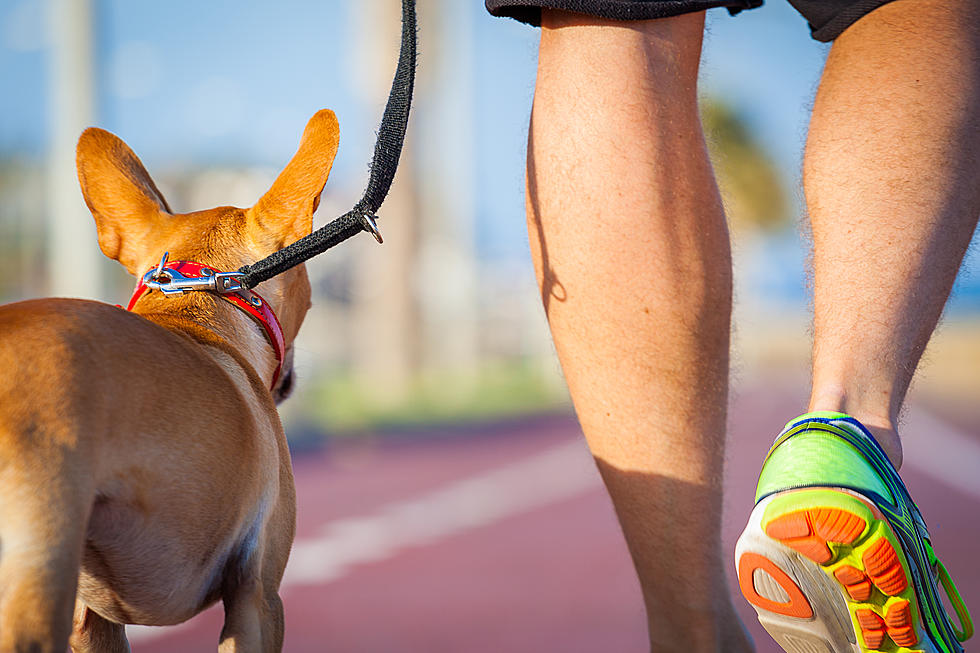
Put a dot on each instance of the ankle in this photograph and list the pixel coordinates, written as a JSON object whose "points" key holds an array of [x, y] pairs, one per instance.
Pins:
{"points": [[878, 422]]}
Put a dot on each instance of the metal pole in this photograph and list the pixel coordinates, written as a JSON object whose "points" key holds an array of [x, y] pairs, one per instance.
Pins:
{"points": [[448, 263], [385, 313], [73, 255]]}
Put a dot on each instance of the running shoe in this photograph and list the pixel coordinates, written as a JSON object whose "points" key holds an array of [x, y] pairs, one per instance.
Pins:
{"points": [[836, 557]]}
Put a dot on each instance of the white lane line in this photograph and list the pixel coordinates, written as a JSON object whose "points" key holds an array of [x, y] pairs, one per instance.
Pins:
{"points": [[535, 482], [937, 449], [554, 475]]}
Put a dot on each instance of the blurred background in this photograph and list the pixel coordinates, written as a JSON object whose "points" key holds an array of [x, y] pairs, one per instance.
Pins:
{"points": [[426, 361]]}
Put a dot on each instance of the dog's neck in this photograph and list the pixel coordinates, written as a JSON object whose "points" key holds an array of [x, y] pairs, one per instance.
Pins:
{"points": [[231, 325]]}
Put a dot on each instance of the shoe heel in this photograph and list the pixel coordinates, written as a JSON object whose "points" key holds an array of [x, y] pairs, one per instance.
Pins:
{"points": [[825, 565]]}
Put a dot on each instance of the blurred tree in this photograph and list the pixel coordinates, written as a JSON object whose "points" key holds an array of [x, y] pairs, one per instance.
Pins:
{"points": [[753, 188]]}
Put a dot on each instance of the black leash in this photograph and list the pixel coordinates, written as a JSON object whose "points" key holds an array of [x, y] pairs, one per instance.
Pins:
{"points": [[391, 137]]}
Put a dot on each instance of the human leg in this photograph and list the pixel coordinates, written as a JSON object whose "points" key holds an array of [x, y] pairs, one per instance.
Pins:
{"points": [[890, 174], [835, 553], [631, 249]]}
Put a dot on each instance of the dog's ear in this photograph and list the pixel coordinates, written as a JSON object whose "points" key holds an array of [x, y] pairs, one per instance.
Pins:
{"points": [[285, 212], [125, 202]]}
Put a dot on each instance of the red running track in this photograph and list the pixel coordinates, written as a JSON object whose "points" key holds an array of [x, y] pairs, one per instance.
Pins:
{"points": [[501, 539]]}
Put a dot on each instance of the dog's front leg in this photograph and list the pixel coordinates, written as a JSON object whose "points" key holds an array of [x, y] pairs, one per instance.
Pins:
{"points": [[91, 633]]}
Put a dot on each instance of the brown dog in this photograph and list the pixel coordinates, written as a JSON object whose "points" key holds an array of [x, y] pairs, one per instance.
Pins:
{"points": [[143, 469]]}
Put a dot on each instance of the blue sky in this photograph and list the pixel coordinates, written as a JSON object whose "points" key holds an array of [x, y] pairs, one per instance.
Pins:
{"points": [[195, 83], [186, 82], [233, 82]]}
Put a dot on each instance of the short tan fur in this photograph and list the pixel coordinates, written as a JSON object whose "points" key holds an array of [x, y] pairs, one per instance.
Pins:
{"points": [[144, 473]]}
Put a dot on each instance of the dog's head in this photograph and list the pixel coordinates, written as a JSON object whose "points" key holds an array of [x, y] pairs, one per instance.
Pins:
{"points": [[135, 224]]}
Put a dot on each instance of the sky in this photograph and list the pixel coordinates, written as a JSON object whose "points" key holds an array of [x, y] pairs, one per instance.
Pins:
{"points": [[195, 79], [189, 83], [186, 82], [234, 82]]}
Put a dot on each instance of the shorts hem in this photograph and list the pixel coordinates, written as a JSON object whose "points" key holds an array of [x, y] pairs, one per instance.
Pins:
{"points": [[529, 11], [844, 19]]}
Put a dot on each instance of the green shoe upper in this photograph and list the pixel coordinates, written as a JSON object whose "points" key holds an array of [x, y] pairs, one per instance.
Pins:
{"points": [[835, 450], [806, 454]]}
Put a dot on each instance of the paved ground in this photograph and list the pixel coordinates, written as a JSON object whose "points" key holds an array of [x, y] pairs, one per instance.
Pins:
{"points": [[502, 539]]}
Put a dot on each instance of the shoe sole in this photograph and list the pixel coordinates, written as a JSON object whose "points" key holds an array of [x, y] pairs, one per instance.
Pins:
{"points": [[826, 574]]}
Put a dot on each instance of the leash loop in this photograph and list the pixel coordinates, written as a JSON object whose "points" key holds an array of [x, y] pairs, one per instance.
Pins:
{"points": [[226, 283]]}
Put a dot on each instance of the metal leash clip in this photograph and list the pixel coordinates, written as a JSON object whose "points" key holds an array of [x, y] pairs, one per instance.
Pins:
{"points": [[369, 224], [171, 282]]}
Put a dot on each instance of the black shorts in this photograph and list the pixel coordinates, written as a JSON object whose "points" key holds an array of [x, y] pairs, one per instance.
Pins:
{"points": [[827, 18]]}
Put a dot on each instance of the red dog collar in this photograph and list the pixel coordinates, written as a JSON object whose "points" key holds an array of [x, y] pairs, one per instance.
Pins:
{"points": [[247, 300]]}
